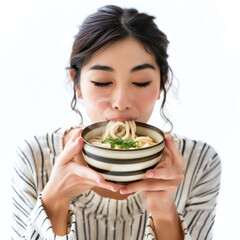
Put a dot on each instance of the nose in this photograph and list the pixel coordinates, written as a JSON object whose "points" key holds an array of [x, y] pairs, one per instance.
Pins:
{"points": [[121, 99]]}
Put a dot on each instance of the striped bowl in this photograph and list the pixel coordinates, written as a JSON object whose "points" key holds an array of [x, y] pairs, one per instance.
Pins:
{"points": [[118, 165]]}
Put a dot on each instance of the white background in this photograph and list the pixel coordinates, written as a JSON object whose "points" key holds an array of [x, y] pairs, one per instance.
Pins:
{"points": [[35, 44]]}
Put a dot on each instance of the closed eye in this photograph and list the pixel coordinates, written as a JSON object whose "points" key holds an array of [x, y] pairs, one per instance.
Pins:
{"points": [[101, 84], [144, 84]]}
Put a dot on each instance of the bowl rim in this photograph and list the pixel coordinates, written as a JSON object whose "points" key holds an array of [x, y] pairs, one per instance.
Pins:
{"points": [[104, 123]]}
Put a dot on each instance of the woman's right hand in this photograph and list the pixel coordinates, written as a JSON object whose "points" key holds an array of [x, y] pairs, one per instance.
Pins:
{"points": [[70, 177]]}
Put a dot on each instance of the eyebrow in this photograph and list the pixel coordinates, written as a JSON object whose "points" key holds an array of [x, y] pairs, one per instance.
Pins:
{"points": [[101, 67], [135, 69], [143, 66]]}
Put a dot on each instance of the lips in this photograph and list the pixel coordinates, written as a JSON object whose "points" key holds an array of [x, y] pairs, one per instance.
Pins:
{"points": [[121, 118]]}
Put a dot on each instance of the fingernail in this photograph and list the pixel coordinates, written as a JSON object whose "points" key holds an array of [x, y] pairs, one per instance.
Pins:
{"points": [[99, 180], [114, 189], [150, 174], [123, 190]]}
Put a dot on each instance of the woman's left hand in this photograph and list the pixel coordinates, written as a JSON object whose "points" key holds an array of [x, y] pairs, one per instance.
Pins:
{"points": [[161, 183]]}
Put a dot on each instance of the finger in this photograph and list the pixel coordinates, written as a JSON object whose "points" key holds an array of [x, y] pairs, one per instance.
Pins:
{"points": [[176, 154], [150, 184], [70, 152], [164, 173], [167, 163], [74, 137], [166, 159], [110, 186], [156, 194], [86, 172], [92, 177]]}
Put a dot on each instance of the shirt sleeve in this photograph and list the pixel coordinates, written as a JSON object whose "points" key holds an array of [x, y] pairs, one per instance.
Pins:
{"points": [[150, 233], [200, 209], [29, 219], [198, 217]]}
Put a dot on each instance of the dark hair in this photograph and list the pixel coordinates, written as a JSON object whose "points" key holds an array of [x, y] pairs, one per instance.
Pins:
{"points": [[110, 24]]}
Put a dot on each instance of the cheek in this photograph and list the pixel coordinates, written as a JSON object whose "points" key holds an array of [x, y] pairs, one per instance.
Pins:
{"points": [[148, 98], [94, 97], [95, 103]]}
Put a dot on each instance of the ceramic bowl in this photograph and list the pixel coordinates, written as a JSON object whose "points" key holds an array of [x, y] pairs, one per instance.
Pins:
{"points": [[118, 165]]}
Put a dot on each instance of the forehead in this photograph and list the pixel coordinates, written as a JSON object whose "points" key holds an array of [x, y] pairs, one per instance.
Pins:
{"points": [[125, 53]]}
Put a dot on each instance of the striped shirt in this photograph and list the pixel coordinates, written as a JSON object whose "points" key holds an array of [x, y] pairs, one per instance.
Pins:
{"points": [[93, 217]]}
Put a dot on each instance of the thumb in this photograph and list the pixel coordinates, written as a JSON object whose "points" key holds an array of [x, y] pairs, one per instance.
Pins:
{"points": [[169, 141], [171, 147], [70, 151], [74, 137]]}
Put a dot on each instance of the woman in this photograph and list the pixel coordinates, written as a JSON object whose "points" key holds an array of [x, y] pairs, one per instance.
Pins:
{"points": [[119, 69]]}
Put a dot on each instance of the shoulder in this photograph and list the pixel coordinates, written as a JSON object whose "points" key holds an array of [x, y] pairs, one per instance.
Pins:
{"points": [[197, 154], [39, 149], [42, 143], [36, 156]]}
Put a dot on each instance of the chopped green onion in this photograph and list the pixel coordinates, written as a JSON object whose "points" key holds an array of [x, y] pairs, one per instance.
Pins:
{"points": [[122, 144]]}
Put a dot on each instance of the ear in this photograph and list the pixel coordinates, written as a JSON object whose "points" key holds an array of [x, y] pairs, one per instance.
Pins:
{"points": [[78, 92], [77, 89], [164, 79], [72, 73]]}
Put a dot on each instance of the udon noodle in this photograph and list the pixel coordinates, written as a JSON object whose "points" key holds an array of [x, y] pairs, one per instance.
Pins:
{"points": [[124, 130]]}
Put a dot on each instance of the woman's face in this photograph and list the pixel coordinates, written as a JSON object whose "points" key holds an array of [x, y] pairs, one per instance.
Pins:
{"points": [[120, 82]]}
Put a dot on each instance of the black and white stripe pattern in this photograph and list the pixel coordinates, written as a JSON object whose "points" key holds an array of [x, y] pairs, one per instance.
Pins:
{"points": [[93, 217]]}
